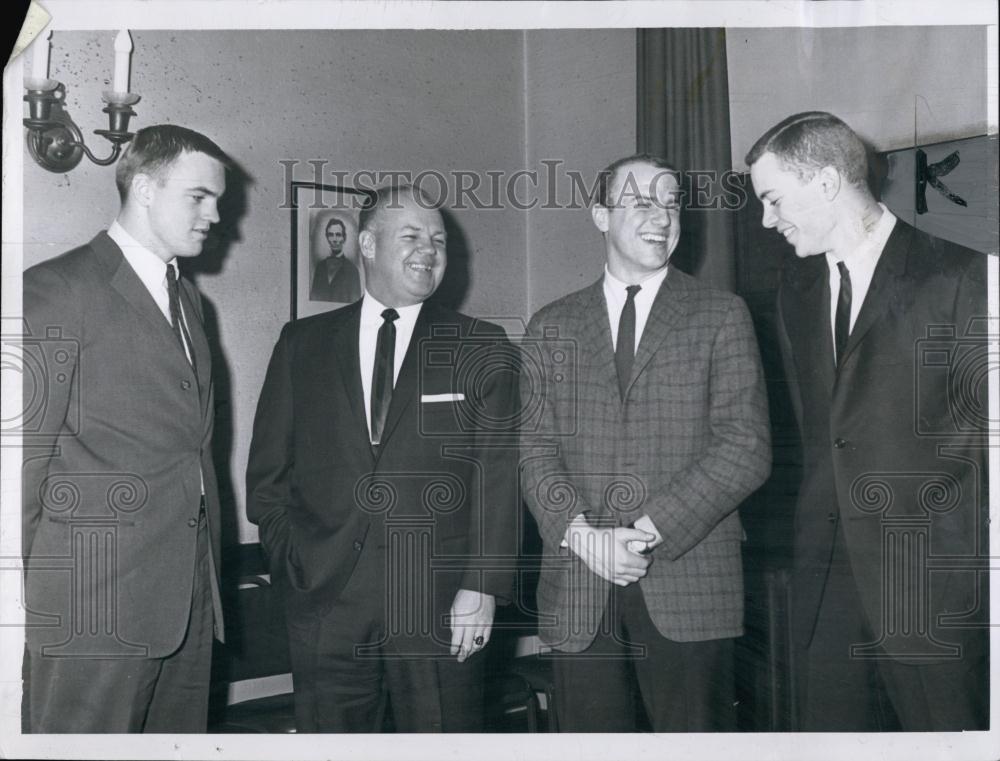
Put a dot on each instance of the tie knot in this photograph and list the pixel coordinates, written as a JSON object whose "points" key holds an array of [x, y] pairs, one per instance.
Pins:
{"points": [[390, 315], [171, 275], [632, 290], [844, 272]]}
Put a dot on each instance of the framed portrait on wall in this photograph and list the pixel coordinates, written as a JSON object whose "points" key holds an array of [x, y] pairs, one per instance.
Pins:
{"points": [[326, 271]]}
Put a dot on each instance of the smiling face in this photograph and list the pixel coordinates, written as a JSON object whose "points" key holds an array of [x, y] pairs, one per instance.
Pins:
{"points": [[181, 204], [335, 237], [404, 252], [800, 210], [642, 226]]}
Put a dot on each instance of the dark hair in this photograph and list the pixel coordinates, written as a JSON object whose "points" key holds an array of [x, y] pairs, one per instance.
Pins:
{"points": [[606, 177], [335, 221], [807, 142], [155, 148], [388, 197]]}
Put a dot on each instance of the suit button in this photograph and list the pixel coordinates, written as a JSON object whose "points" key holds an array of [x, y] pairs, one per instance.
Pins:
{"points": [[185, 384], [832, 517], [358, 545], [839, 443], [192, 522]]}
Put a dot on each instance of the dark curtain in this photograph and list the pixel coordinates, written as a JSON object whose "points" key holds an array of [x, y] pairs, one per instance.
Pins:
{"points": [[683, 115]]}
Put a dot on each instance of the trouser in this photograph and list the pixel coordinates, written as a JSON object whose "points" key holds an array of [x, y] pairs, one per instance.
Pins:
{"points": [[118, 695], [350, 665], [684, 686], [838, 692]]}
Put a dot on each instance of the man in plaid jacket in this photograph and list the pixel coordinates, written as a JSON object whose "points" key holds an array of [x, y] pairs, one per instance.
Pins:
{"points": [[645, 426]]}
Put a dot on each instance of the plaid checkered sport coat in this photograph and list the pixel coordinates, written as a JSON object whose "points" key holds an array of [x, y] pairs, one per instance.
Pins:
{"points": [[689, 443]]}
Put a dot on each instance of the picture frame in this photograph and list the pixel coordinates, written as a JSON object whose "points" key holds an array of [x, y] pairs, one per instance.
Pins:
{"points": [[326, 271]]}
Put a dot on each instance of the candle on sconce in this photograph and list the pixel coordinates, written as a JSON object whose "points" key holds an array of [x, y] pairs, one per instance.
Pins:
{"points": [[54, 141], [123, 54], [40, 62]]}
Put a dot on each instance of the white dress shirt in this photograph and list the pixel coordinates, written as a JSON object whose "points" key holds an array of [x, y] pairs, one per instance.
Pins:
{"points": [[861, 265], [371, 321], [615, 296], [152, 271]]}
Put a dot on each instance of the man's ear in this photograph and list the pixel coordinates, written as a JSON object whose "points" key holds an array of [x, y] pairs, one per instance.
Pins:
{"points": [[600, 216], [830, 182], [142, 189], [366, 242]]}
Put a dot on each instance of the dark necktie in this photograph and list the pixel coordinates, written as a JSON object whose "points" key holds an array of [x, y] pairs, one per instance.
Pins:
{"points": [[625, 346], [382, 377], [176, 321], [842, 323]]}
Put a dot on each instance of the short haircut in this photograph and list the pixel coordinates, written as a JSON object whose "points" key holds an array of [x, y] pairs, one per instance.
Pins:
{"points": [[335, 221], [155, 148], [805, 143], [388, 197], [606, 177]]}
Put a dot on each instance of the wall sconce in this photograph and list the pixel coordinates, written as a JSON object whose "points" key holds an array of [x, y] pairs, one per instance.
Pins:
{"points": [[54, 141]]}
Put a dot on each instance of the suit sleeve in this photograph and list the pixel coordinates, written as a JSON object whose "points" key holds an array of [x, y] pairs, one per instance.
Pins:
{"points": [[737, 458], [551, 497], [969, 398], [494, 525], [271, 460], [53, 335], [788, 364]]}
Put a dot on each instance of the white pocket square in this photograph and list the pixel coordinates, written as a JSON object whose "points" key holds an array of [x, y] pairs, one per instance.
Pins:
{"points": [[442, 397]]}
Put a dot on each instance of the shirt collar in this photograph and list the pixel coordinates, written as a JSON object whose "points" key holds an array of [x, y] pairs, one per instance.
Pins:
{"points": [[372, 308], [649, 286], [871, 248], [883, 229], [146, 264]]}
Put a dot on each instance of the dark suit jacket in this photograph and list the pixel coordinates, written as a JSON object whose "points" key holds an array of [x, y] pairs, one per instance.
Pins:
{"points": [[893, 441], [344, 286], [691, 442], [115, 447], [321, 497]]}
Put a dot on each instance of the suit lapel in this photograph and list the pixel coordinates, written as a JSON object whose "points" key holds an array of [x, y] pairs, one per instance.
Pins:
{"points": [[127, 283], [885, 281], [595, 337], [344, 354], [807, 309], [668, 310]]}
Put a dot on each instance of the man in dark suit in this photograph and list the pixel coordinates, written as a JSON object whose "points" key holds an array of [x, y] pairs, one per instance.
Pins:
{"points": [[883, 335], [335, 278], [648, 430], [384, 483], [120, 502]]}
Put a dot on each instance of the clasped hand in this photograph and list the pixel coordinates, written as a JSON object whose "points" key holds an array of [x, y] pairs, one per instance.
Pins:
{"points": [[609, 552]]}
